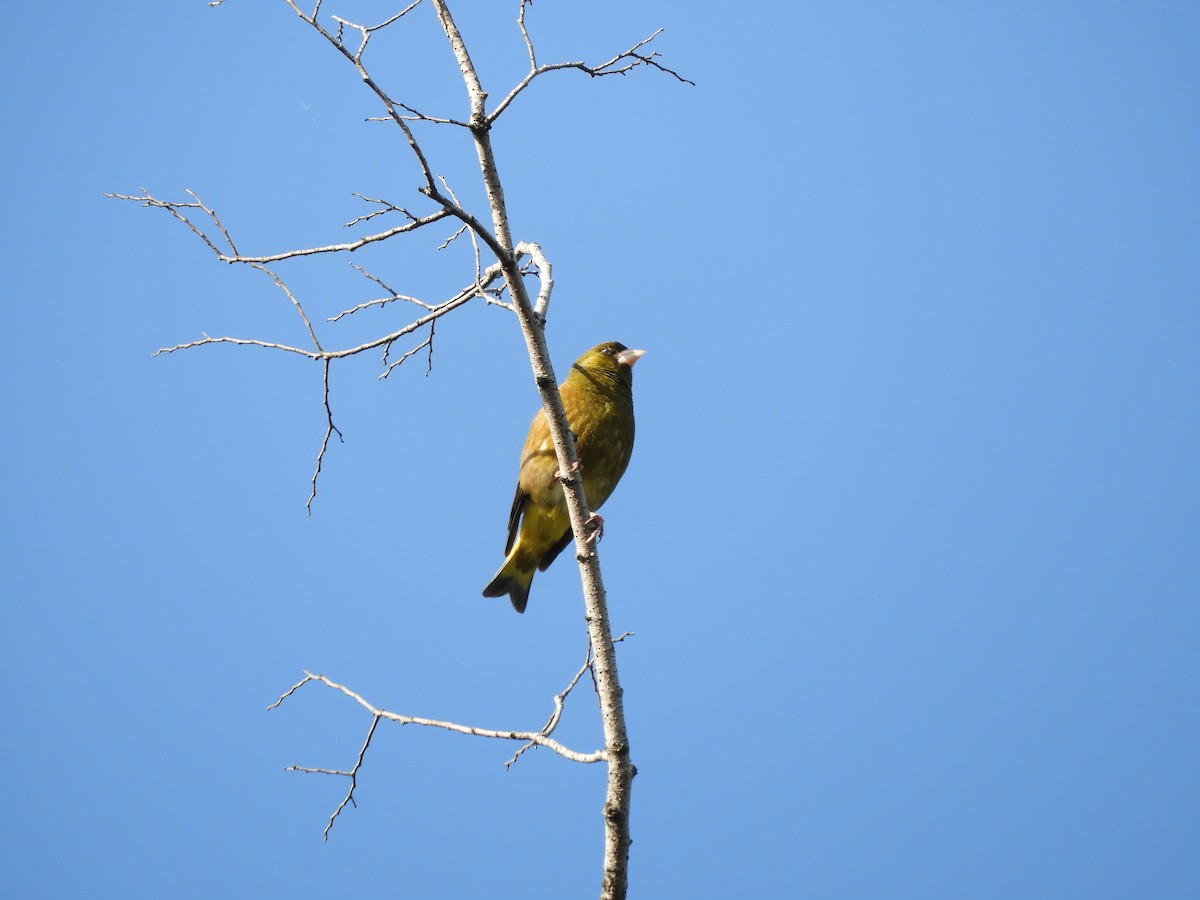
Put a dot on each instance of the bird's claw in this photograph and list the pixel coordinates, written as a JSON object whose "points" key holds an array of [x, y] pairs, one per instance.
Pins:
{"points": [[595, 522], [571, 472]]}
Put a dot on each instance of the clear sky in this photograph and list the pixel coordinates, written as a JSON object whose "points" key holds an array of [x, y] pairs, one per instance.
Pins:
{"points": [[910, 536]]}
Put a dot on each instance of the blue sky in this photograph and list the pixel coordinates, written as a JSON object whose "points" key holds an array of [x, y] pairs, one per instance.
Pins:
{"points": [[909, 539]]}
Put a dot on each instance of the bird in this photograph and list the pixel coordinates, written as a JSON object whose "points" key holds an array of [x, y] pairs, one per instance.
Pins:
{"points": [[598, 400]]}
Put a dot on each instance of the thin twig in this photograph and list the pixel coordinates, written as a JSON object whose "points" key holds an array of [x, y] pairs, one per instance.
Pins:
{"points": [[330, 430], [622, 63], [292, 297], [502, 734], [352, 774], [356, 60], [388, 207], [368, 31], [395, 295], [537, 738], [174, 207], [428, 342], [545, 275], [559, 703], [415, 115]]}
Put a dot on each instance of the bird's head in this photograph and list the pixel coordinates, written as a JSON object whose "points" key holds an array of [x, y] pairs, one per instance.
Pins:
{"points": [[610, 363]]}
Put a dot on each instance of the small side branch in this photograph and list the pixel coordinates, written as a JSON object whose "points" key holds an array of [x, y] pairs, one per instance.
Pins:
{"points": [[352, 774], [393, 295], [385, 207], [494, 733], [529, 738], [355, 59], [482, 287], [427, 343], [621, 64], [330, 431], [179, 209], [367, 31], [560, 700], [292, 297], [545, 276]]}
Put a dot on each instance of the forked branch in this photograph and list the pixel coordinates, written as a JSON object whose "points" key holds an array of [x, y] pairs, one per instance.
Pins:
{"points": [[620, 64], [527, 738]]}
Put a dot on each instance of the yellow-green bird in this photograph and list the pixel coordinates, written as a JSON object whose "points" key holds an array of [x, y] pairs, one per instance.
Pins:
{"points": [[598, 400]]}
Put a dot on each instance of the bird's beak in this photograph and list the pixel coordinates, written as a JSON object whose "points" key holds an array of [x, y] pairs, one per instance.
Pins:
{"points": [[629, 357]]}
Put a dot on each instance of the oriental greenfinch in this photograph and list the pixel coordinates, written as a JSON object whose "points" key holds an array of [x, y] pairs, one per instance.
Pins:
{"points": [[598, 400]]}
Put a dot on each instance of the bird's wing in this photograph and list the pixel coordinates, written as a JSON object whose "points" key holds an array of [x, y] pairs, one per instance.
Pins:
{"points": [[514, 518]]}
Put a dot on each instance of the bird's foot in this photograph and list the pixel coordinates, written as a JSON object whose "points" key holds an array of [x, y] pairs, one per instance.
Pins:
{"points": [[571, 472], [596, 523]]}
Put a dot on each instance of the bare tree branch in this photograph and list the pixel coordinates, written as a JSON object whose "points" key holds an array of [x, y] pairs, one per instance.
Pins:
{"points": [[352, 774], [528, 738], [561, 697], [428, 342], [416, 115], [355, 59], [436, 312], [330, 430], [544, 269], [388, 207], [367, 32], [393, 296], [622, 63], [292, 297], [502, 734], [174, 207]]}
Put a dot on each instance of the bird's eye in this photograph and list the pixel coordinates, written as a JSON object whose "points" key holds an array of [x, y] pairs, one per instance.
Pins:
{"points": [[608, 351]]}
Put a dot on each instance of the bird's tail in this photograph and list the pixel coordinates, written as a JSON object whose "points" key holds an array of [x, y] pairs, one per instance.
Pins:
{"points": [[512, 580]]}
